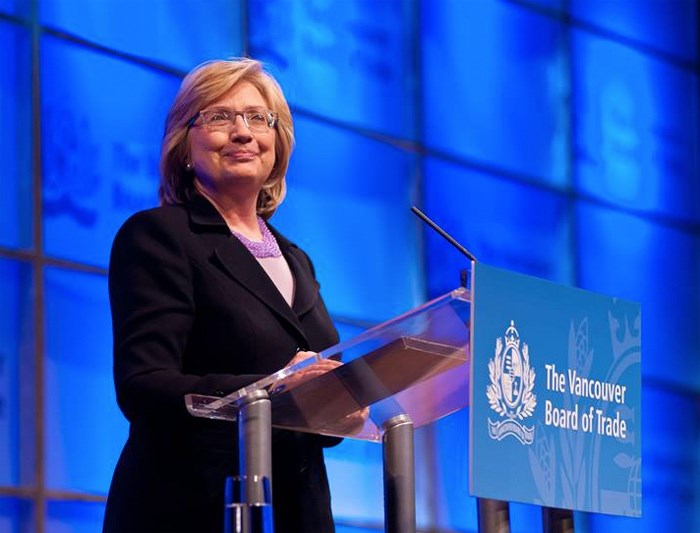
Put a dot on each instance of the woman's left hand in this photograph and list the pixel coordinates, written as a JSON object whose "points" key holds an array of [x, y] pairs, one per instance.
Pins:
{"points": [[315, 369]]}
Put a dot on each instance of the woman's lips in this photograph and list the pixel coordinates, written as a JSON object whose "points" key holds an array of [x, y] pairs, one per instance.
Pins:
{"points": [[240, 155]]}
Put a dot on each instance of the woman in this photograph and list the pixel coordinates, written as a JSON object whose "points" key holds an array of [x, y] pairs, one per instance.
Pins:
{"points": [[206, 298]]}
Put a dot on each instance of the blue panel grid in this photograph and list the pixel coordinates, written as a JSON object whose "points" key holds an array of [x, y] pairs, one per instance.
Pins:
{"points": [[495, 87], [351, 60], [352, 465], [17, 406], [348, 206], [637, 142], [75, 517], [455, 508], [16, 516], [19, 8], [347, 331], [101, 131], [84, 429], [177, 33], [503, 223], [15, 137], [667, 25], [557, 5]]}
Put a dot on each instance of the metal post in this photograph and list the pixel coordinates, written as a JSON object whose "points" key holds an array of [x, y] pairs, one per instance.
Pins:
{"points": [[255, 439], [557, 520], [399, 476], [493, 516]]}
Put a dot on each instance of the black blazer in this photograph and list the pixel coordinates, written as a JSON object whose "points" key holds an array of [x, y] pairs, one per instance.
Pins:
{"points": [[194, 312]]}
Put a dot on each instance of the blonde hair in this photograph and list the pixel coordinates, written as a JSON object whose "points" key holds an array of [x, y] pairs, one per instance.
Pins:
{"points": [[205, 84]]}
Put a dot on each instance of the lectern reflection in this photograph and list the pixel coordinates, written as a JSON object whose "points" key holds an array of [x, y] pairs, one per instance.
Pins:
{"points": [[344, 397]]}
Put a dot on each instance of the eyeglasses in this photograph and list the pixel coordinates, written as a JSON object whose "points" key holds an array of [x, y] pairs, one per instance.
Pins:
{"points": [[223, 119]]}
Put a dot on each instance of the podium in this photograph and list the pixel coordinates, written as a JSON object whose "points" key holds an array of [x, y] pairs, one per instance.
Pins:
{"points": [[552, 375], [390, 379]]}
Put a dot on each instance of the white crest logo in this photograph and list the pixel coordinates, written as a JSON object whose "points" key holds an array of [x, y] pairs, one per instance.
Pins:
{"points": [[510, 391]]}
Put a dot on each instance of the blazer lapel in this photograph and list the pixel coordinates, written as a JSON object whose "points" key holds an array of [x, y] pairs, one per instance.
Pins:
{"points": [[237, 261]]}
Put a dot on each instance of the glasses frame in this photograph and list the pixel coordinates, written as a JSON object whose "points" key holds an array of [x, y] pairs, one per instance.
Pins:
{"points": [[272, 118]]}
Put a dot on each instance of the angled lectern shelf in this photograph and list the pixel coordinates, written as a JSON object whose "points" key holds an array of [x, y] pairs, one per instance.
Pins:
{"points": [[415, 365], [402, 374]]}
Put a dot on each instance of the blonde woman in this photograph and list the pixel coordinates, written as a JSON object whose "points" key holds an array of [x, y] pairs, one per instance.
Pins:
{"points": [[206, 298]]}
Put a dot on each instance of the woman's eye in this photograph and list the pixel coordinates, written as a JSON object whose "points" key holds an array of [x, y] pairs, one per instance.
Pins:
{"points": [[218, 116], [257, 118]]}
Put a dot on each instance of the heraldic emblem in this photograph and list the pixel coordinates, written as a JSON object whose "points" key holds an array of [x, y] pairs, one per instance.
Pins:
{"points": [[510, 391]]}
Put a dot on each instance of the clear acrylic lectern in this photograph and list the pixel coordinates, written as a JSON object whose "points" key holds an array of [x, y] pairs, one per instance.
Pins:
{"points": [[392, 378]]}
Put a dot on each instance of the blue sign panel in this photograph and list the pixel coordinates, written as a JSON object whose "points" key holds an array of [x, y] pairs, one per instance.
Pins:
{"points": [[555, 396]]}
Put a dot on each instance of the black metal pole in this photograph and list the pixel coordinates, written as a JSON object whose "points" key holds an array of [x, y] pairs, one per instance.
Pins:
{"points": [[399, 476], [557, 520], [493, 516]]}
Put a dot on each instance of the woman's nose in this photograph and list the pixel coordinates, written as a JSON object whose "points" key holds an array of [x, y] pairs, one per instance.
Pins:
{"points": [[239, 129]]}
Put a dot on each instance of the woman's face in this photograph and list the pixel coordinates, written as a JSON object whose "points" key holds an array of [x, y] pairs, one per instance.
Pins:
{"points": [[233, 161]]}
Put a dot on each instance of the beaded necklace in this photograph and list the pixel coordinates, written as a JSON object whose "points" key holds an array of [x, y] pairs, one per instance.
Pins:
{"points": [[267, 247]]}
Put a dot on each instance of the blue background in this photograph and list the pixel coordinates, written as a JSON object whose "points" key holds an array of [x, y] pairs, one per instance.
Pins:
{"points": [[557, 138]]}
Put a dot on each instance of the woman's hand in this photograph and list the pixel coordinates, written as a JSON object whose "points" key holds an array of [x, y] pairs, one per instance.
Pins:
{"points": [[352, 423], [348, 425], [315, 369]]}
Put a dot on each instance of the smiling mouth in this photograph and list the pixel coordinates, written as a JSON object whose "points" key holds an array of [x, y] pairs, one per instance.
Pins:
{"points": [[240, 156]]}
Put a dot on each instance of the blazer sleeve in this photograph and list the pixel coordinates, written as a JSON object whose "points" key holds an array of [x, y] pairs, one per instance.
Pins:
{"points": [[152, 302]]}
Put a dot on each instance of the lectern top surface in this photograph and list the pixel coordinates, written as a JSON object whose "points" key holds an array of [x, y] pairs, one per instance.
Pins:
{"points": [[415, 366]]}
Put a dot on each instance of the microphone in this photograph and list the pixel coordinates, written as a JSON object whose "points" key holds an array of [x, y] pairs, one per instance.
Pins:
{"points": [[442, 232]]}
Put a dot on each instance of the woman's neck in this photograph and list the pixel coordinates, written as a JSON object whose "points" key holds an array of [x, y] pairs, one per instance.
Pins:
{"points": [[240, 215]]}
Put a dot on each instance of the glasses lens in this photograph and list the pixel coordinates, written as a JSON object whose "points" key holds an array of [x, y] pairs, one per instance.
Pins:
{"points": [[217, 118], [258, 120], [261, 120]]}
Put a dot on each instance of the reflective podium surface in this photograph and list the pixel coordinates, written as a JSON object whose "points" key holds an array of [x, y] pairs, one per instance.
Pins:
{"points": [[415, 366]]}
